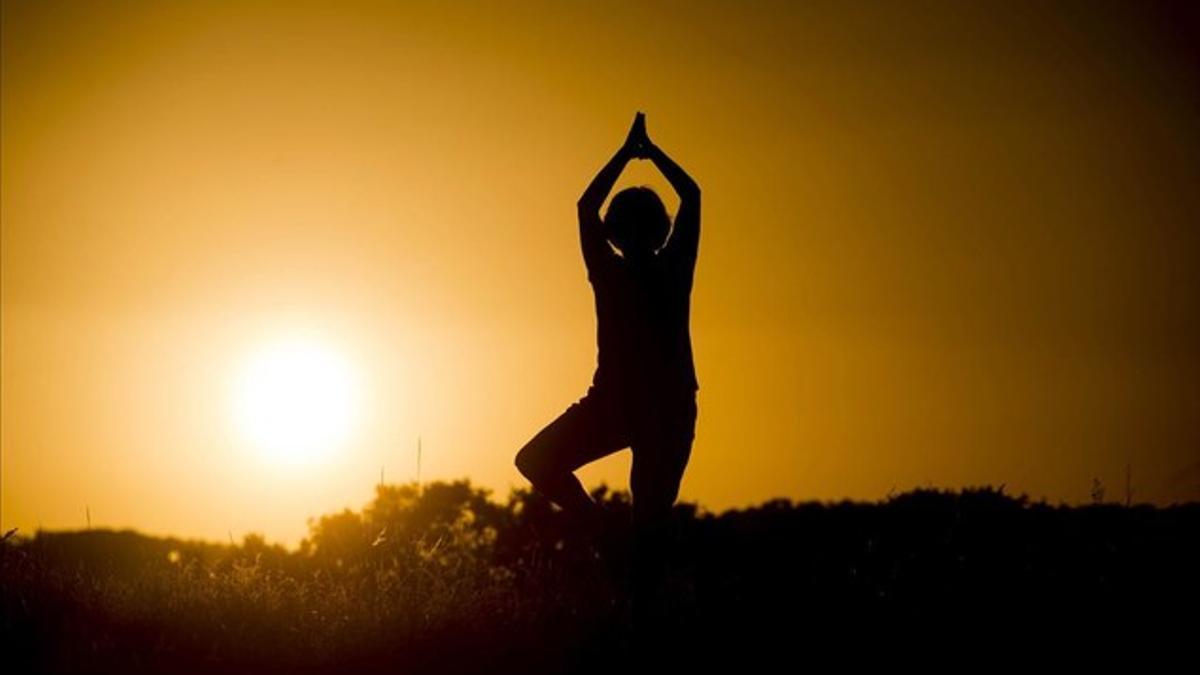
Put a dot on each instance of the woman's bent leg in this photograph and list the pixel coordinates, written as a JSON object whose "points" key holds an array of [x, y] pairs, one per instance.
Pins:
{"points": [[588, 430]]}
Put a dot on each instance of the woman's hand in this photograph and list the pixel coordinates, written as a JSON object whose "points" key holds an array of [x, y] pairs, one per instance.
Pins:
{"points": [[637, 143]]}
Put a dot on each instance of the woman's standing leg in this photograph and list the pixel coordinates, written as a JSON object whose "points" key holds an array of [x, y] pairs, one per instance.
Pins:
{"points": [[661, 450]]}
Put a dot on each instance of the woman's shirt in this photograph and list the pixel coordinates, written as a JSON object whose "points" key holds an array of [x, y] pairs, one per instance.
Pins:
{"points": [[642, 324]]}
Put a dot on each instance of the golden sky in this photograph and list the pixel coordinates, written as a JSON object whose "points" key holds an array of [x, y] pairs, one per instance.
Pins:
{"points": [[944, 244]]}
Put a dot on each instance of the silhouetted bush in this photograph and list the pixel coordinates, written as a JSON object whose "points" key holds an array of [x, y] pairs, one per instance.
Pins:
{"points": [[443, 578]]}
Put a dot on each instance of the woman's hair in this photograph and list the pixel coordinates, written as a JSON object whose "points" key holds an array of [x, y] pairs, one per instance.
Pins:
{"points": [[636, 220]]}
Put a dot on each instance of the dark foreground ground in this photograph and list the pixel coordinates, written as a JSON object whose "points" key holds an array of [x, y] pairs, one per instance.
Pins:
{"points": [[441, 579]]}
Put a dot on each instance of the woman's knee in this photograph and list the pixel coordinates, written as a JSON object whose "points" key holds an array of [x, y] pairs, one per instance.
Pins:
{"points": [[530, 461], [541, 458]]}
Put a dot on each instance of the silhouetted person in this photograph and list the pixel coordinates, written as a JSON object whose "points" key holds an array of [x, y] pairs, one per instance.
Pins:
{"points": [[643, 392]]}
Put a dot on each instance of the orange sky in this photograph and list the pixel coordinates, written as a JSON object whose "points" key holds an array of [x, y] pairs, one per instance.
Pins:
{"points": [[943, 244]]}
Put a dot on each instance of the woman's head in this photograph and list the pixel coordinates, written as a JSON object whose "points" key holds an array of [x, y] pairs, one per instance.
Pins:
{"points": [[636, 221]]}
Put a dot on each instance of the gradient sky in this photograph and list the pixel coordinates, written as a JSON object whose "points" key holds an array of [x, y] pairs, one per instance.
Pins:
{"points": [[944, 244]]}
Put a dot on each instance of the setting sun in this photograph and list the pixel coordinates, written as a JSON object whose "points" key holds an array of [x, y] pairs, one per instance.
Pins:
{"points": [[295, 401]]}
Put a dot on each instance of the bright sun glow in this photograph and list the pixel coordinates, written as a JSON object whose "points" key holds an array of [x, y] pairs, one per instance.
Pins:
{"points": [[296, 402]]}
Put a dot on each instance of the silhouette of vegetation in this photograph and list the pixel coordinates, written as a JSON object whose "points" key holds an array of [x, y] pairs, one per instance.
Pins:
{"points": [[442, 578]]}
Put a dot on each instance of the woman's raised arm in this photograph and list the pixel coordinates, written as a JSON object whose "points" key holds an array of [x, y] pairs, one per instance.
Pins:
{"points": [[685, 238], [591, 229]]}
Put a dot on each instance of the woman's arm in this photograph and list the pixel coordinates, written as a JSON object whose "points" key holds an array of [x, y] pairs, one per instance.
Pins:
{"points": [[684, 186], [595, 194], [685, 238], [591, 230], [597, 191]]}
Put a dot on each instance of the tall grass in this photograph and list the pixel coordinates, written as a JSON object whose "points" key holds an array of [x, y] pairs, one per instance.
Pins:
{"points": [[445, 579]]}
